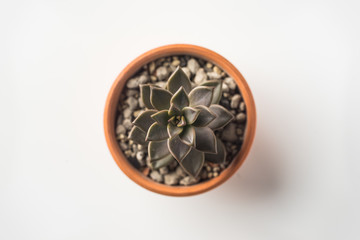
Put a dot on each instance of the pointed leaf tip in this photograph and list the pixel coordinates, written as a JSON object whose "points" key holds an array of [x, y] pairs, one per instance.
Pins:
{"points": [[218, 157], [188, 135], [190, 114], [157, 132], [145, 95], [205, 140], [173, 130], [217, 94], [193, 162], [161, 117], [205, 117], [223, 116], [160, 98], [157, 150], [174, 111], [201, 96], [177, 148], [178, 79], [137, 135], [180, 99], [144, 120]]}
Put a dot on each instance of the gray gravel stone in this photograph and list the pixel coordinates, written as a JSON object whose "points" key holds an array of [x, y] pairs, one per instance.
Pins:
{"points": [[235, 100], [187, 71], [230, 82], [242, 106], [164, 170], [132, 102], [140, 156], [119, 119], [141, 103], [156, 176], [229, 133], [176, 62], [193, 65], [132, 83], [217, 70], [213, 75], [208, 66], [200, 76], [120, 129], [152, 66], [153, 79], [131, 92], [179, 171], [203, 174], [122, 137], [188, 180], [123, 146], [127, 124], [239, 131], [241, 117], [161, 84], [173, 165], [171, 179], [127, 153], [225, 87], [162, 73], [144, 79], [137, 112], [127, 113]]}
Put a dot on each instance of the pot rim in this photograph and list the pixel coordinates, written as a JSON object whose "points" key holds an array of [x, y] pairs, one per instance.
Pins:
{"points": [[111, 110]]}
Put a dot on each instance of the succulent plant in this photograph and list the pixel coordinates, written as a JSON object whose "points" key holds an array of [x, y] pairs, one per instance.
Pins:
{"points": [[179, 121]]}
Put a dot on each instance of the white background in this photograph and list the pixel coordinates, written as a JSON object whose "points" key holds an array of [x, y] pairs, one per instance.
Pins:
{"points": [[58, 61]]}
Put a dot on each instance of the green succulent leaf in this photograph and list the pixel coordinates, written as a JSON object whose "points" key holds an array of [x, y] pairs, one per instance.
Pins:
{"points": [[205, 117], [223, 116], [188, 135], [144, 120], [178, 79], [218, 157], [162, 162], [217, 85], [173, 130], [193, 162], [190, 114], [160, 98], [201, 96], [157, 132], [145, 95], [137, 135], [177, 148], [205, 140], [161, 117], [157, 150], [180, 99], [174, 111]]}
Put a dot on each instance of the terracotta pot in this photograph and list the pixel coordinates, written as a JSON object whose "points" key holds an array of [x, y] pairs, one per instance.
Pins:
{"points": [[111, 110]]}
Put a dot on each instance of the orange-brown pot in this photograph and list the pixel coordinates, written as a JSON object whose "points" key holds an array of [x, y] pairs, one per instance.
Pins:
{"points": [[113, 100]]}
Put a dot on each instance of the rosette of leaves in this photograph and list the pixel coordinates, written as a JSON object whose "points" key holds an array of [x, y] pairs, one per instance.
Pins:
{"points": [[179, 121]]}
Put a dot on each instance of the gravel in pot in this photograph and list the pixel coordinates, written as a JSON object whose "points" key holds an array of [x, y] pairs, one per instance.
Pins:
{"points": [[198, 71]]}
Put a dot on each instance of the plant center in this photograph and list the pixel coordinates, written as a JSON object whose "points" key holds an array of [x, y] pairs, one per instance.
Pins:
{"points": [[178, 121]]}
